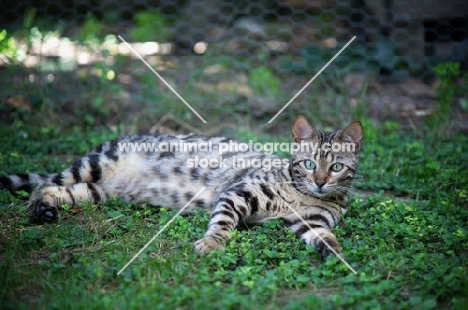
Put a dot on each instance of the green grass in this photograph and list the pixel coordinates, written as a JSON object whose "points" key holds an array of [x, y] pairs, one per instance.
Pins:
{"points": [[407, 239]]}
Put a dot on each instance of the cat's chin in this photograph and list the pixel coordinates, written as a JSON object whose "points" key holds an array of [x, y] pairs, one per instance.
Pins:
{"points": [[318, 192]]}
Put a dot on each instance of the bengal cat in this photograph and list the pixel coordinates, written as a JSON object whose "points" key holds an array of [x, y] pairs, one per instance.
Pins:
{"points": [[315, 182]]}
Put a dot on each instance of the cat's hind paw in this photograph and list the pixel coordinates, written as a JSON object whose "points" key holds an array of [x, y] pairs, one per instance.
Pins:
{"points": [[207, 244], [43, 212]]}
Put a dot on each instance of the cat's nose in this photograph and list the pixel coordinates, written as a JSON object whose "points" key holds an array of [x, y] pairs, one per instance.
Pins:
{"points": [[320, 183]]}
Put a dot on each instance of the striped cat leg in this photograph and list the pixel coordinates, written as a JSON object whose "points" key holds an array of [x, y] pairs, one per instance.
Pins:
{"points": [[314, 234], [229, 211], [74, 184], [46, 201], [87, 169]]}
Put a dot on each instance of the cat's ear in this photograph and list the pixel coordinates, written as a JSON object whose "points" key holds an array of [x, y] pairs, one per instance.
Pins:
{"points": [[353, 134], [302, 130]]}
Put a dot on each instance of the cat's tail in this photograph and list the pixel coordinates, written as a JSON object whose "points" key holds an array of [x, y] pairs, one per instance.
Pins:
{"points": [[22, 182]]}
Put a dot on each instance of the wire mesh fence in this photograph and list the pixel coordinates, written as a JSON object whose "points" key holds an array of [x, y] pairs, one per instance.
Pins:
{"points": [[249, 42], [393, 38]]}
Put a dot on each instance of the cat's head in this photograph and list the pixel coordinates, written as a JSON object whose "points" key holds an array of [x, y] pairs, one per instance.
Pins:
{"points": [[325, 163]]}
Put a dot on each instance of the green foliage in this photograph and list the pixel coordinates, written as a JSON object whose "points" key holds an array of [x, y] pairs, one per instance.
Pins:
{"points": [[356, 58], [8, 48], [150, 26], [264, 82], [408, 165], [446, 72], [91, 32], [50, 87]]}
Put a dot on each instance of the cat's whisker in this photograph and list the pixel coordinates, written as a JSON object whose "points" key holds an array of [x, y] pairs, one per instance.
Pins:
{"points": [[360, 178], [341, 190], [356, 181], [349, 190]]}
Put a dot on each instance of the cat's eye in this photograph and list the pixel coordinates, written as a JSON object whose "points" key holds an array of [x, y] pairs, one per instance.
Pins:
{"points": [[337, 167], [309, 164]]}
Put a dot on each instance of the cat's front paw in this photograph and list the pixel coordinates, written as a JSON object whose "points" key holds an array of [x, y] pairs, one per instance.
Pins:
{"points": [[42, 211], [207, 244]]}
